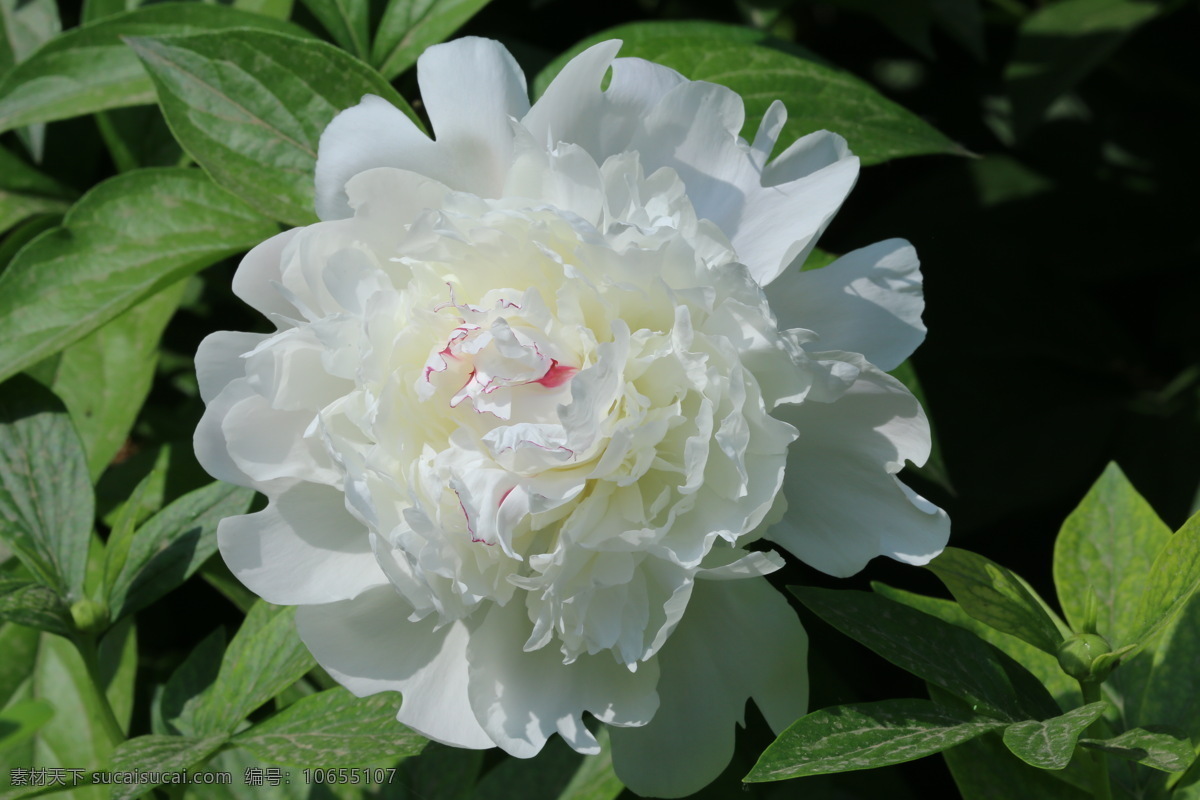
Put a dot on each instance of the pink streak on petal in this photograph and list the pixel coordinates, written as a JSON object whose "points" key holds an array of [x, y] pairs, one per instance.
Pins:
{"points": [[556, 376]]}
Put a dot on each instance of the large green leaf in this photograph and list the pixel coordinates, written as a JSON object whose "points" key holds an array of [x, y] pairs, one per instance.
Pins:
{"points": [[334, 729], [1050, 744], [26, 192], [941, 653], [346, 21], [90, 69], [25, 26], [169, 548], [1173, 582], [125, 240], [818, 96], [250, 107], [996, 596], [1170, 751], [158, 754], [264, 658], [21, 720], [865, 736], [1169, 693], [409, 26], [46, 501], [75, 737], [1059, 44], [1040, 664], [439, 773], [34, 604], [1105, 550], [595, 778], [184, 689], [104, 378]]}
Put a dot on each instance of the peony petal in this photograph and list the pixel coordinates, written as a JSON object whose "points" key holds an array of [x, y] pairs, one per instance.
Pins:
{"points": [[369, 646], [268, 444], [869, 301], [522, 698], [738, 640], [372, 134], [259, 275], [471, 87], [844, 504], [219, 360], [304, 547]]}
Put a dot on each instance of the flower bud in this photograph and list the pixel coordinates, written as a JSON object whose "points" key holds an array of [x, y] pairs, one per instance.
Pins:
{"points": [[89, 617], [1079, 656]]}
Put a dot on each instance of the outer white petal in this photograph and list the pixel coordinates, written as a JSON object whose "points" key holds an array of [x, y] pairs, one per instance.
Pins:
{"points": [[219, 360], [372, 134], [845, 504], [522, 698], [259, 274], [573, 109], [738, 640], [304, 547], [868, 301], [471, 87], [369, 646]]}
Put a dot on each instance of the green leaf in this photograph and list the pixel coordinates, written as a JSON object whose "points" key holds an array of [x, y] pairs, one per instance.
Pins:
{"points": [[182, 693], [35, 605], [984, 769], [125, 240], [169, 548], [104, 378], [865, 736], [439, 773], [157, 754], [250, 107], [75, 737], [1174, 580], [941, 653], [19, 645], [1166, 750], [264, 658], [1059, 44], [1105, 550], [346, 21], [90, 69], [1043, 666], [818, 96], [410, 26], [46, 502], [21, 720], [595, 778], [1049, 744], [541, 778], [1169, 692], [26, 192], [25, 26], [334, 729], [996, 596]]}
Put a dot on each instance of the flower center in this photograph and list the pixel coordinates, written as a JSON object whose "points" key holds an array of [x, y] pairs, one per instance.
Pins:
{"points": [[488, 356]]}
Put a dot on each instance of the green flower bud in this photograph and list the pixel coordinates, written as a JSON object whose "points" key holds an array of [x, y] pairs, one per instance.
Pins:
{"points": [[89, 617], [1078, 657]]}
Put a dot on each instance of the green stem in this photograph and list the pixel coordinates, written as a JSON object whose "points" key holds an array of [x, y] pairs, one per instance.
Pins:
{"points": [[1101, 788], [86, 644]]}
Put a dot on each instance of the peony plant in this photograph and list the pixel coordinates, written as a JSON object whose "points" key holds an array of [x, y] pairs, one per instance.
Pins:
{"points": [[540, 424]]}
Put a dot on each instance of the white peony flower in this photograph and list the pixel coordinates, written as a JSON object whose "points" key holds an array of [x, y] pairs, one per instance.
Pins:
{"points": [[538, 384]]}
